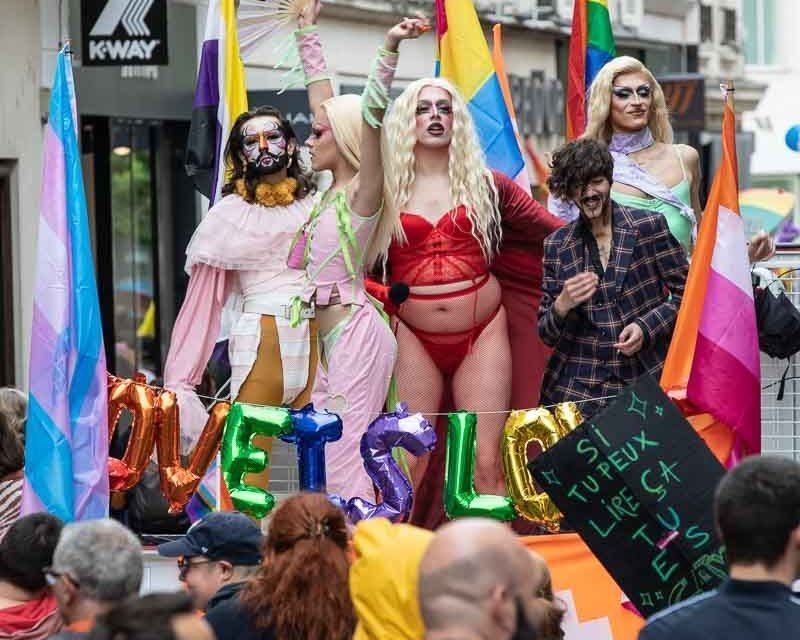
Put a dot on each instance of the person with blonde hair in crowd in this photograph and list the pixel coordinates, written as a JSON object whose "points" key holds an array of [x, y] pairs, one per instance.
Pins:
{"points": [[348, 230], [628, 112], [12, 464], [300, 591], [470, 259], [14, 406]]}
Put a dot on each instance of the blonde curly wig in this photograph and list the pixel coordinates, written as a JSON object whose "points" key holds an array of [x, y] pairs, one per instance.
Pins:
{"points": [[471, 182], [599, 116]]}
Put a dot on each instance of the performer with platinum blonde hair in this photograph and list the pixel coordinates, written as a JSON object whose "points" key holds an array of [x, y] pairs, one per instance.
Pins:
{"points": [[347, 231], [628, 112], [470, 260]]}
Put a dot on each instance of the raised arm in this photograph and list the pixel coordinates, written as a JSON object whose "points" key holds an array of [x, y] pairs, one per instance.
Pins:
{"points": [[309, 45], [366, 194]]}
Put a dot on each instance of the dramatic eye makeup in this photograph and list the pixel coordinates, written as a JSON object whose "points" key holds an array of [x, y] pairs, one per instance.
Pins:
{"points": [[625, 93], [443, 107]]}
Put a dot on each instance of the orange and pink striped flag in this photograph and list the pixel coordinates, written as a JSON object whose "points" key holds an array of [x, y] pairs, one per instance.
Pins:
{"points": [[713, 364]]}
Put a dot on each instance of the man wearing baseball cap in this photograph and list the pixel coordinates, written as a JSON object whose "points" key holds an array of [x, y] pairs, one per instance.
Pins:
{"points": [[216, 556]]}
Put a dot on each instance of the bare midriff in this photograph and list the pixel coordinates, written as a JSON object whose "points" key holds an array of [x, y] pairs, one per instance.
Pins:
{"points": [[330, 315], [451, 313]]}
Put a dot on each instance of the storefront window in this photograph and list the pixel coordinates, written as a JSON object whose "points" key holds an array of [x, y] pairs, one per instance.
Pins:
{"points": [[133, 250]]}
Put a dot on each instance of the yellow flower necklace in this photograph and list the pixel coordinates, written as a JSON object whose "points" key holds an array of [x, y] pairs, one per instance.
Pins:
{"points": [[269, 195]]}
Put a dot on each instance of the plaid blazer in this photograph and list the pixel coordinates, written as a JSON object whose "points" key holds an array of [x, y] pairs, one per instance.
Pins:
{"points": [[642, 283]]}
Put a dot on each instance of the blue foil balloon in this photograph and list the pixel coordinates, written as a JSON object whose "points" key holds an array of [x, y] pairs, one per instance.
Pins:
{"points": [[311, 430], [389, 430]]}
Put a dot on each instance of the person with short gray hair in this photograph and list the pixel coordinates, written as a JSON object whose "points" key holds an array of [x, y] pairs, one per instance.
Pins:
{"points": [[96, 564]]}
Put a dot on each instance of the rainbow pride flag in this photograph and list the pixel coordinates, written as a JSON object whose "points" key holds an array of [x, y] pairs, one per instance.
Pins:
{"points": [[591, 45], [464, 59], [220, 97], [713, 364], [66, 440]]}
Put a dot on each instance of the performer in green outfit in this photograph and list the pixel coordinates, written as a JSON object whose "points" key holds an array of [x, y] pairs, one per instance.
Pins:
{"points": [[628, 111]]}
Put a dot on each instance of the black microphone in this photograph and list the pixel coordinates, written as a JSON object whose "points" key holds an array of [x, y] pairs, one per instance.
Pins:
{"points": [[398, 293]]}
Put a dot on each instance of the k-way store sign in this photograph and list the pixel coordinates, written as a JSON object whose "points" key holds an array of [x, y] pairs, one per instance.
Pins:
{"points": [[124, 32]]}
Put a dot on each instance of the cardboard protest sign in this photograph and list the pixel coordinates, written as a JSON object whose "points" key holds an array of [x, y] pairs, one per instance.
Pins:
{"points": [[637, 483]]}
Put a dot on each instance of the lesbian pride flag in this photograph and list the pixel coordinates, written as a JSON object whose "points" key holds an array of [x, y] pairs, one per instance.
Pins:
{"points": [[66, 442], [713, 362], [591, 45], [464, 59]]}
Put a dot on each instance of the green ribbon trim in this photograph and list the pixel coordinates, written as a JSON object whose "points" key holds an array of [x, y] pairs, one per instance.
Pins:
{"points": [[376, 94], [347, 238]]}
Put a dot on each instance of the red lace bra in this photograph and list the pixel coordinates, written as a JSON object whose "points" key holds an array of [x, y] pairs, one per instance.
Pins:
{"points": [[437, 253]]}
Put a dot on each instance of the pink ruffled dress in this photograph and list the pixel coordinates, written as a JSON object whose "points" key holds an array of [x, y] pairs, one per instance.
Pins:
{"points": [[236, 261]]}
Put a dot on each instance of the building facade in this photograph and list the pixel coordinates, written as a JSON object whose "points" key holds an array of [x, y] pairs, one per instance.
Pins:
{"points": [[770, 57]]}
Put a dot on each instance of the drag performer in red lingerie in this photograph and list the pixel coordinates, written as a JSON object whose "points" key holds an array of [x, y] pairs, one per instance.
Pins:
{"points": [[471, 262]]}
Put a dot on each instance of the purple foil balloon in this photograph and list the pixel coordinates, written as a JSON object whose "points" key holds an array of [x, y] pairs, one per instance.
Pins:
{"points": [[399, 429]]}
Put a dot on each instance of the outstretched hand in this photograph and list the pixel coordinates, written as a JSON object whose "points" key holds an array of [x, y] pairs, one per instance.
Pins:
{"points": [[309, 14], [406, 29]]}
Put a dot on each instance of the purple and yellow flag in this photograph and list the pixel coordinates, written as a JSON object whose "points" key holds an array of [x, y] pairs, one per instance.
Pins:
{"points": [[220, 97], [464, 59], [66, 441]]}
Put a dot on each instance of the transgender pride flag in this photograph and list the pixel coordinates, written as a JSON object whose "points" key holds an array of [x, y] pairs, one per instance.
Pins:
{"points": [[66, 442], [713, 362], [464, 59]]}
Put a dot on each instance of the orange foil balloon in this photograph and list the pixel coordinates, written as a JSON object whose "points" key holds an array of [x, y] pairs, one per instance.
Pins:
{"points": [[178, 483], [139, 399], [522, 428]]}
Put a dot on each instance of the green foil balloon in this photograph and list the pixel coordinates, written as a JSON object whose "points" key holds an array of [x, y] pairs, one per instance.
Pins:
{"points": [[460, 497], [240, 457]]}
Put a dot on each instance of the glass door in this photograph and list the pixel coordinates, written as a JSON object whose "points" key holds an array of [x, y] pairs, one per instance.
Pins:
{"points": [[134, 252]]}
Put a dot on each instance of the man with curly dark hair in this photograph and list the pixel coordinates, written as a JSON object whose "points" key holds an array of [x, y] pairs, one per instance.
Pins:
{"points": [[613, 282]]}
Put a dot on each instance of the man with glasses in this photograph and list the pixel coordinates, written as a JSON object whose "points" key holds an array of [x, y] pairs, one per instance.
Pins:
{"points": [[96, 564], [216, 556]]}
